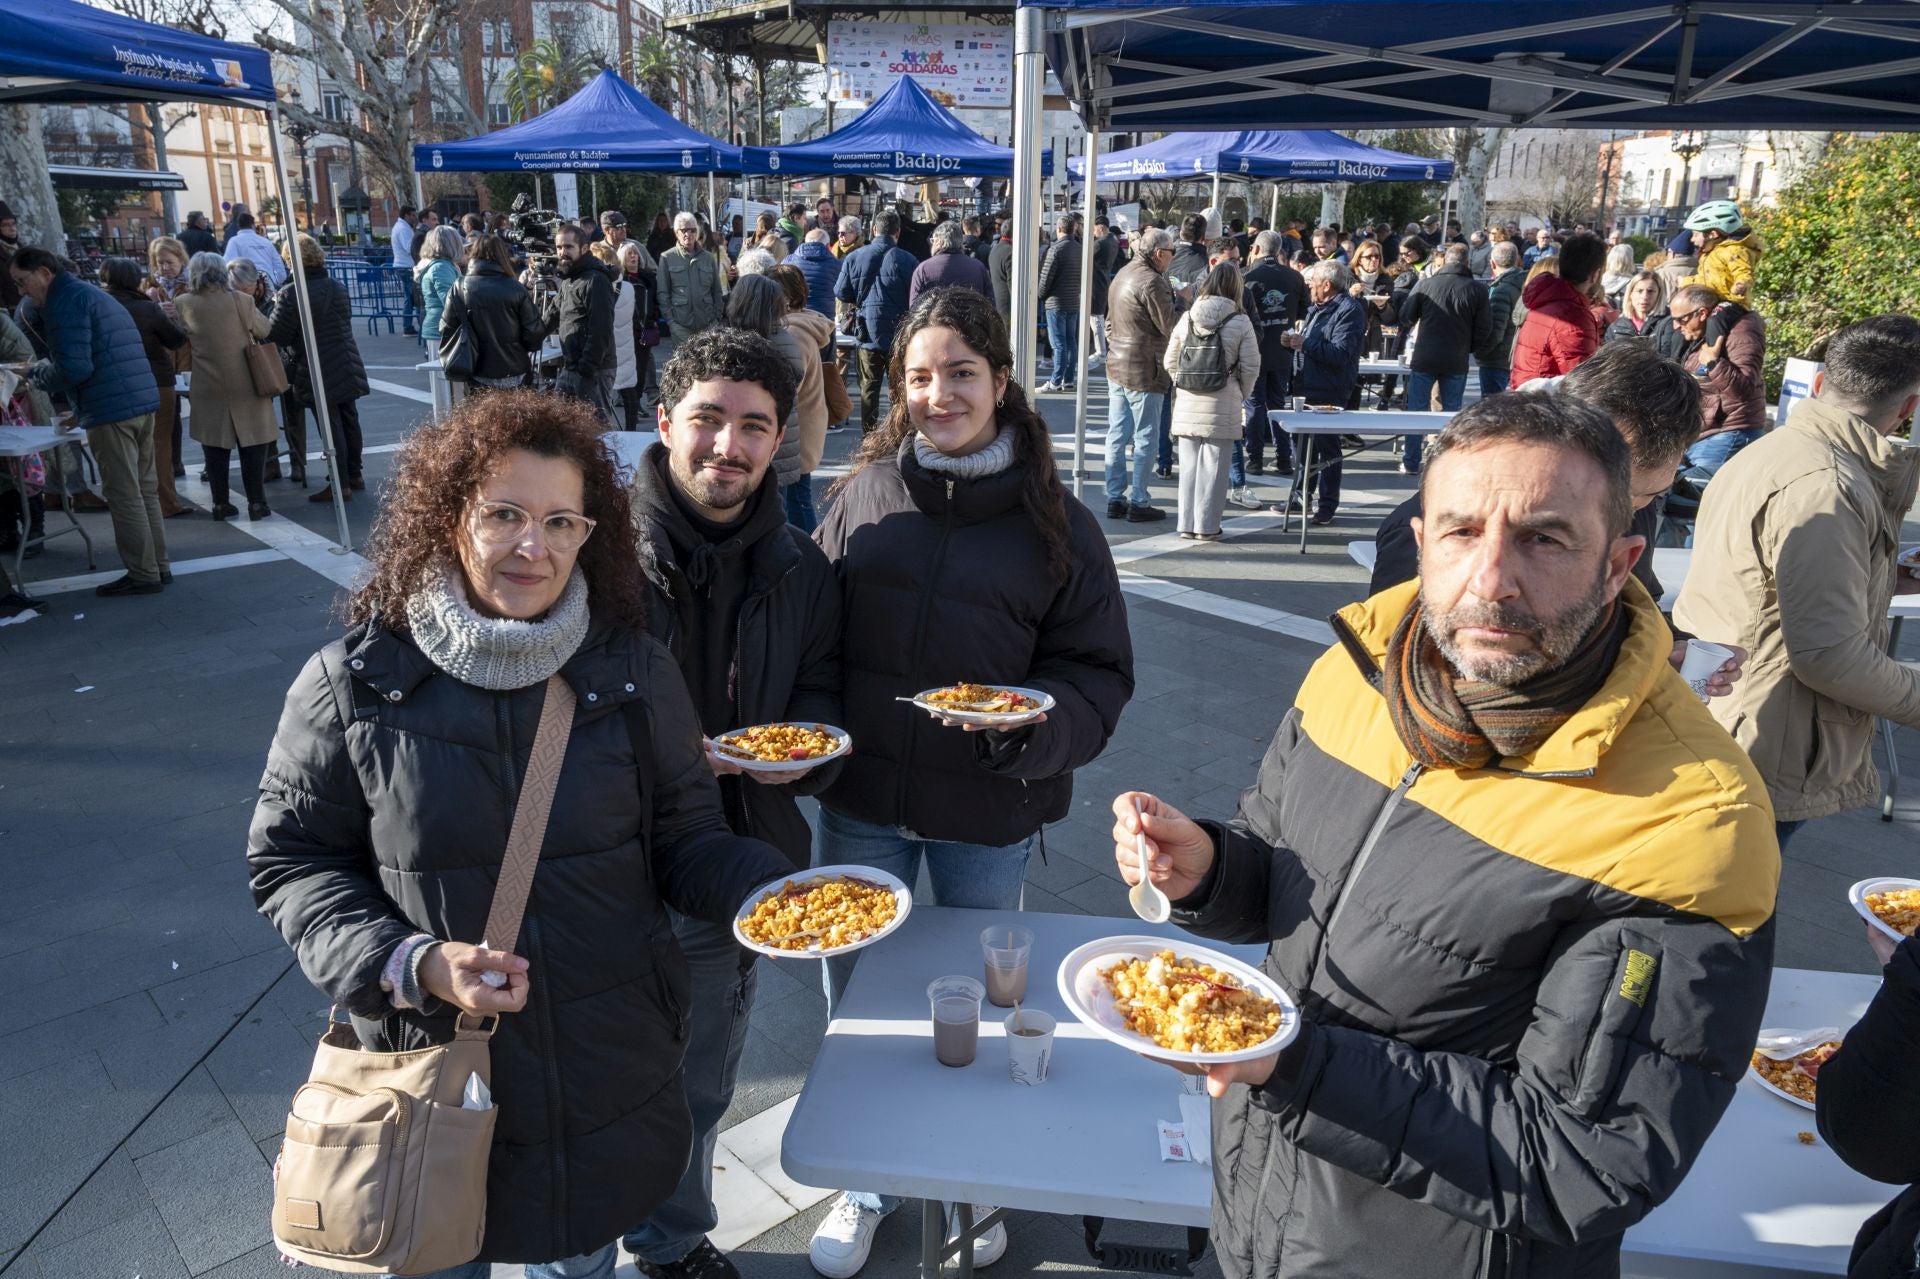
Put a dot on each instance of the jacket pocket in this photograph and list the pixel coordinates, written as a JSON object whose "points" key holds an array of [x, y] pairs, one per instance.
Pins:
{"points": [[1636, 972]]}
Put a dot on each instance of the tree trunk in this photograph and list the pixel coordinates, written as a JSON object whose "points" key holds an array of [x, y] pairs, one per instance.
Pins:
{"points": [[24, 180], [1795, 153], [1473, 154], [1333, 203], [169, 200]]}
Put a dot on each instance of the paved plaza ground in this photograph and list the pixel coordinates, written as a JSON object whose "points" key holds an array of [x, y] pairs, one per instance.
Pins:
{"points": [[152, 1028]]}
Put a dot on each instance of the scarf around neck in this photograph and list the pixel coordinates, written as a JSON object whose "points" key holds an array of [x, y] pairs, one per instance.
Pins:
{"points": [[495, 652], [991, 460], [1445, 721]]}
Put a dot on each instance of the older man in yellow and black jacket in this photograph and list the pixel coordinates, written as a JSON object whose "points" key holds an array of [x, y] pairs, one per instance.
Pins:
{"points": [[1520, 881]]}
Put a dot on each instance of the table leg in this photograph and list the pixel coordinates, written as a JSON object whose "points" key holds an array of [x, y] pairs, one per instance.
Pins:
{"points": [[933, 1233], [66, 504], [965, 1212], [1890, 789]]}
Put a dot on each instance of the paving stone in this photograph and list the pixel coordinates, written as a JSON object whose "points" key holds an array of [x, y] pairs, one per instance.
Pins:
{"points": [[214, 1193], [253, 1066], [138, 1245], [196, 1106], [25, 1051], [111, 1195]]}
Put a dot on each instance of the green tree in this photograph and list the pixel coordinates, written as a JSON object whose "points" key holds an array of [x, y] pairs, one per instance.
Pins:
{"points": [[653, 66], [1839, 244], [546, 74], [1398, 203]]}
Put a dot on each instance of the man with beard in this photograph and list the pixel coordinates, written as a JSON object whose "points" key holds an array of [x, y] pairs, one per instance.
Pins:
{"points": [[750, 609], [582, 310], [1520, 882]]}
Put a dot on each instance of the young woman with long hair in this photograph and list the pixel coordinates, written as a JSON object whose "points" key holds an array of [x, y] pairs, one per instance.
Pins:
{"points": [[961, 559]]}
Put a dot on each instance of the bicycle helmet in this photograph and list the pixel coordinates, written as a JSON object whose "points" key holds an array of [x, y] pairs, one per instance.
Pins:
{"points": [[1716, 215]]}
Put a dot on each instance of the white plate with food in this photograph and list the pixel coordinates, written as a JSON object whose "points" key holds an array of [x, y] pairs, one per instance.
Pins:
{"points": [[785, 747], [1793, 1077], [984, 705], [829, 910], [1325, 408], [1910, 558], [1173, 1001], [1890, 904]]}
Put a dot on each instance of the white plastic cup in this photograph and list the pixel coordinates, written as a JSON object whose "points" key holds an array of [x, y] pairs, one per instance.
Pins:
{"points": [[1701, 661], [1029, 1046], [956, 1018], [1004, 951]]}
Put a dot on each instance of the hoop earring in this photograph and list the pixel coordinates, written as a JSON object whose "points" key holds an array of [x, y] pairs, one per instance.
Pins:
{"points": [[1000, 403]]}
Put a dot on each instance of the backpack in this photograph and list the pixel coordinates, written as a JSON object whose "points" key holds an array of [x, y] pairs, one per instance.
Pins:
{"points": [[1203, 361]]}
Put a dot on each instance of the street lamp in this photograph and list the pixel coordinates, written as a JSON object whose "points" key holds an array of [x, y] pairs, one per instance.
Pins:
{"points": [[301, 135], [1687, 143]]}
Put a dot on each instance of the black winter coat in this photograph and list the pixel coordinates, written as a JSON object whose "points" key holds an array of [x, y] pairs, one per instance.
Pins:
{"points": [[506, 325], [1106, 262], [343, 376], [1869, 1112], [583, 312], [1503, 295], [160, 336], [384, 811], [1450, 306], [946, 580], [786, 655]]}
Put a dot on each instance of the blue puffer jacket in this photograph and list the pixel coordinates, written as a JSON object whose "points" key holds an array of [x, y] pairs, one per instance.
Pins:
{"points": [[822, 269], [98, 360], [875, 279], [437, 278], [1330, 357]]}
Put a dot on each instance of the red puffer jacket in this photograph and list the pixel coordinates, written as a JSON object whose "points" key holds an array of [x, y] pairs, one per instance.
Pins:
{"points": [[1558, 334]]}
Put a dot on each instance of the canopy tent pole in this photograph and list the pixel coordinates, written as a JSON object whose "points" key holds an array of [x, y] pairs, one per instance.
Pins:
{"points": [[335, 480], [419, 191], [713, 209], [1085, 329], [1029, 65], [1273, 219], [1219, 226]]}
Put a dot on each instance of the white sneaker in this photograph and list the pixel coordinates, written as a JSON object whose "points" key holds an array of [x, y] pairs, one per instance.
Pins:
{"points": [[1047, 388], [841, 1244], [988, 1247], [1244, 499]]}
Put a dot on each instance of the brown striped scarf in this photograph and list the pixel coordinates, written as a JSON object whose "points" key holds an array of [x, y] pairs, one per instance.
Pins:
{"points": [[1450, 722]]}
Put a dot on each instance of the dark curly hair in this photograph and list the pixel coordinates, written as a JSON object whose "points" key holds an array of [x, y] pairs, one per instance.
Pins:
{"points": [[972, 315], [444, 464], [729, 354]]}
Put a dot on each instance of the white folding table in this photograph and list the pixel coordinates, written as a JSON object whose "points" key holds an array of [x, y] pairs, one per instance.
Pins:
{"points": [[879, 1114], [1373, 426], [18, 443]]}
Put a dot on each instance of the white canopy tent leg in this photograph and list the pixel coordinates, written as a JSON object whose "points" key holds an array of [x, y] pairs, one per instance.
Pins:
{"points": [[1085, 329], [1219, 226], [1273, 218], [713, 208], [1029, 66], [335, 479]]}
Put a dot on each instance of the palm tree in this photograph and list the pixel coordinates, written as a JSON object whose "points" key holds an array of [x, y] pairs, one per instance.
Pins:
{"points": [[653, 66], [546, 74]]}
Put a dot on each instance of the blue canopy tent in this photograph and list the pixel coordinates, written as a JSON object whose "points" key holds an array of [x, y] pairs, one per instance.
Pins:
{"points": [[609, 126], [63, 51], [1306, 155], [905, 134], [1358, 64]]}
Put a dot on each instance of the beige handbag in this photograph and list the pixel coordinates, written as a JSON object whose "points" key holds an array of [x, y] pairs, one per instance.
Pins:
{"points": [[264, 365], [381, 1170]]}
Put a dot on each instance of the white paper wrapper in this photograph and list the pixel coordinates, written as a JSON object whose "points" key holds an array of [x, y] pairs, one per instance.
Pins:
{"points": [[1196, 1117], [1174, 1148]]}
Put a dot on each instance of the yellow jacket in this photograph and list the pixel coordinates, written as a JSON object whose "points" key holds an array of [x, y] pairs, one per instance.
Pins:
{"points": [[1727, 268]]}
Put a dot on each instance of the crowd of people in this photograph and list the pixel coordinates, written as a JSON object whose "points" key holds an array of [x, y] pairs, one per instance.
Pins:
{"points": [[1519, 876]]}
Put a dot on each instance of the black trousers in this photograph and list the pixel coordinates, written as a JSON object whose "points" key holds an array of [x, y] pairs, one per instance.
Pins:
{"points": [[346, 436], [1270, 391], [253, 471]]}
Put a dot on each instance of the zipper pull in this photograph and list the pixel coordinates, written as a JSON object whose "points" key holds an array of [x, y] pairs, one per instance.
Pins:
{"points": [[949, 490]]}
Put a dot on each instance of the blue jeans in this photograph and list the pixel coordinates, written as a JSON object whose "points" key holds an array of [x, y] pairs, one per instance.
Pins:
{"points": [[1493, 381], [1715, 451], [723, 987], [972, 876], [1453, 387], [799, 499], [1237, 467], [1132, 416], [1066, 352], [592, 1265]]}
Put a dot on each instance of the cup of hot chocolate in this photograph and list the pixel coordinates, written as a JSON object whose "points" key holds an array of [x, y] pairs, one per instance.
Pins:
{"points": [[1005, 950], [956, 1019]]}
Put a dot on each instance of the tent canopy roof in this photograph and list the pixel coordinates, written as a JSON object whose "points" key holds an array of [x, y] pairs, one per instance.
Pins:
{"points": [[609, 125], [1627, 64], [63, 51], [905, 133], [1304, 155]]}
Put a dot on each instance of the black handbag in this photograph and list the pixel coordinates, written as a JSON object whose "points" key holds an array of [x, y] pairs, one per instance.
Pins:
{"points": [[459, 353]]}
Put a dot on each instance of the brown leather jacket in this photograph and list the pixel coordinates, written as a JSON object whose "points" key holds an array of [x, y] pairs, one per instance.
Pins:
{"points": [[1140, 316], [1733, 394]]}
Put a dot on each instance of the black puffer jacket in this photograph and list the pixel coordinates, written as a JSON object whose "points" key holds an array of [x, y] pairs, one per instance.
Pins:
{"points": [[342, 374], [1869, 1110], [506, 325], [946, 580], [786, 653], [1451, 308], [384, 811], [583, 313]]}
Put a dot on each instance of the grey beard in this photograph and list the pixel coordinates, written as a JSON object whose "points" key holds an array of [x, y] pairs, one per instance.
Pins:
{"points": [[1555, 639]]}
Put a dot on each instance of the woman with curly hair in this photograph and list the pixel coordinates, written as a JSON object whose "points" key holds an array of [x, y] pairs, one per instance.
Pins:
{"points": [[961, 558], [392, 784]]}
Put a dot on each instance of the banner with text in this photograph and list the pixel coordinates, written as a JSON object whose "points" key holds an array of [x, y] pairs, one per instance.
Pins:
{"points": [[959, 64]]}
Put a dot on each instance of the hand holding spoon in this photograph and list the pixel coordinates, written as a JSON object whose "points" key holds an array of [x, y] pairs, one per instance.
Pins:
{"points": [[1145, 897]]}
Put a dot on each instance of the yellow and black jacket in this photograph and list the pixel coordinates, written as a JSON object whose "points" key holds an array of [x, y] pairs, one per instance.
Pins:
{"points": [[1529, 989]]}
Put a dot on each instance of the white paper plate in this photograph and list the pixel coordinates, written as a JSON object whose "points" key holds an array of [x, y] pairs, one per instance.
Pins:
{"points": [[1858, 896], [1325, 408], [1765, 1083], [987, 719], [1910, 557], [786, 765], [1084, 989], [902, 896]]}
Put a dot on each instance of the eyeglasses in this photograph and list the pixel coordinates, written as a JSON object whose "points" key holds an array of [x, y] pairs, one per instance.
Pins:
{"points": [[504, 524]]}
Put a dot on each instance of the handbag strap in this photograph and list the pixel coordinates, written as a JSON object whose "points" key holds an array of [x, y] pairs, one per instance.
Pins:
{"points": [[530, 817], [246, 334]]}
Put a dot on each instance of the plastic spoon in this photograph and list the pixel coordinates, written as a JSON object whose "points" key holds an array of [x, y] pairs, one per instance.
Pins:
{"points": [[1145, 897]]}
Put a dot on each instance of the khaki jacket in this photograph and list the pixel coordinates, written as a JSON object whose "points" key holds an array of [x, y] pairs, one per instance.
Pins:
{"points": [[1794, 561], [225, 413], [1140, 317], [693, 290]]}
